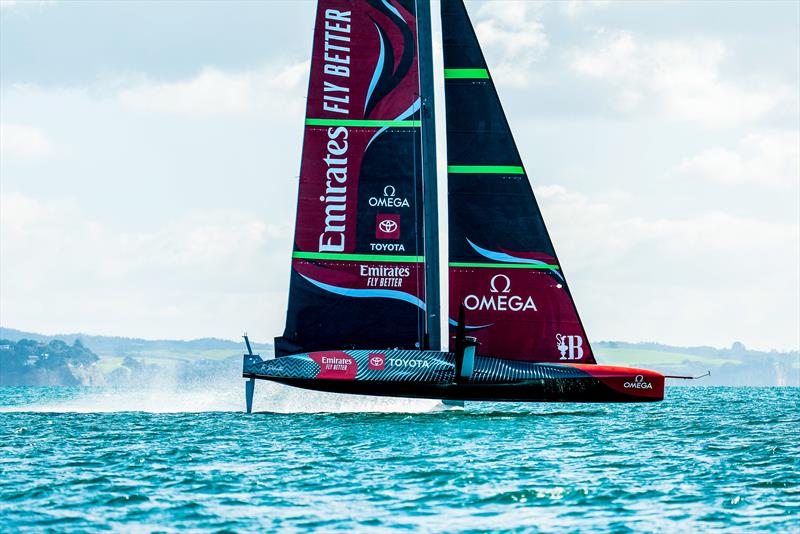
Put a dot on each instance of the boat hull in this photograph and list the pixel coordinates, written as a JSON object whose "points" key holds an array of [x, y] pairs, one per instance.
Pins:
{"points": [[430, 375]]}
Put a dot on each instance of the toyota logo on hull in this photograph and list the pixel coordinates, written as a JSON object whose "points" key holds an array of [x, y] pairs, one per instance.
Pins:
{"points": [[377, 362], [414, 364], [499, 298]]}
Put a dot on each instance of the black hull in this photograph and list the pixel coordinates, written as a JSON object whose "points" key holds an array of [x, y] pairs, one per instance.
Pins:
{"points": [[431, 375], [588, 390]]}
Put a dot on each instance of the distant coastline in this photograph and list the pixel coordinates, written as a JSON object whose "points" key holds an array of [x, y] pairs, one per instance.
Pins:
{"points": [[31, 359]]}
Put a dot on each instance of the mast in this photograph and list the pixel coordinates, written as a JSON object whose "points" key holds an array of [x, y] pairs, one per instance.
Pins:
{"points": [[429, 195]]}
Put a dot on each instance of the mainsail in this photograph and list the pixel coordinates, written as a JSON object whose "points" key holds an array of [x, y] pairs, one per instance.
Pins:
{"points": [[503, 267], [357, 277]]}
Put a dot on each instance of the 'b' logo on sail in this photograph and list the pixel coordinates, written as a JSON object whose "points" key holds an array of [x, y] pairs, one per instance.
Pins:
{"points": [[570, 347]]}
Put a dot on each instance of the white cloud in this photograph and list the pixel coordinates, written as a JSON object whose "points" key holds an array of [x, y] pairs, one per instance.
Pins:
{"points": [[215, 271], [23, 141], [676, 79], [11, 4], [574, 8], [510, 33], [273, 90], [712, 278], [771, 159]]}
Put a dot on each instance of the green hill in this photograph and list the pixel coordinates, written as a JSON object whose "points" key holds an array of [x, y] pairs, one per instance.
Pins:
{"points": [[121, 360]]}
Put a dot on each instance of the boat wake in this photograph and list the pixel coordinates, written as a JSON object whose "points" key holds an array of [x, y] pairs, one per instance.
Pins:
{"points": [[228, 397]]}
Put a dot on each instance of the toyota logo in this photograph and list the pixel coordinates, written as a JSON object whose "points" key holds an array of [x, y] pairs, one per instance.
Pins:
{"points": [[387, 226], [377, 361], [493, 284]]}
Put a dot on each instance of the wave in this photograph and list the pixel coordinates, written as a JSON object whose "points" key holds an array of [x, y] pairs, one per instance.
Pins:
{"points": [[229, 397]]}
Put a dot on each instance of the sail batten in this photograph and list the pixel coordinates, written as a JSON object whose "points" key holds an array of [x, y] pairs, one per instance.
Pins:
{"points": [[485, 169], [503, 268], [357, 257], [466, 74], [364, 123]]}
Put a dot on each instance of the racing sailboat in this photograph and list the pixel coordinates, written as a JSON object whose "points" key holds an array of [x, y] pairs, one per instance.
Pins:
{"points": [[364, 309]]}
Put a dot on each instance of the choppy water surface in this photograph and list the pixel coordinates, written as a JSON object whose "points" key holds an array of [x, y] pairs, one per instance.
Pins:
{"points": [[707, 459]]}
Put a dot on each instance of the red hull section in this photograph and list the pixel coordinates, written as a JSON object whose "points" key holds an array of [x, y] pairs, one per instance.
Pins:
{"points": [[626, 380]]}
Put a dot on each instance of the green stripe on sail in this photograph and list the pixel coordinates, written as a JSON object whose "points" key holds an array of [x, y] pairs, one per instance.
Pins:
{"points": [[504, 265], [485, 169], [364, 123], [466, 74], [357, 257]]}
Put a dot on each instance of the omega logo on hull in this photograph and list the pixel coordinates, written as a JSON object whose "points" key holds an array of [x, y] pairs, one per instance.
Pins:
{"points": [[638, 383]]}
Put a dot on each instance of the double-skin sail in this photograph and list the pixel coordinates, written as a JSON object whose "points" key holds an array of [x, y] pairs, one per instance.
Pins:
{"points": [[503, 267], [357, 278]]}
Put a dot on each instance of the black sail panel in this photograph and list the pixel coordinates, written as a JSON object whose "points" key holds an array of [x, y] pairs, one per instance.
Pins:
{"points": [[503, 267]]}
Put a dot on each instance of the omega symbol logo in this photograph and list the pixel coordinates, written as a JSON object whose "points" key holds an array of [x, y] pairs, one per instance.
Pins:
{"points": [[493, 284], [499, 298], [389, 199], [638, 383]]}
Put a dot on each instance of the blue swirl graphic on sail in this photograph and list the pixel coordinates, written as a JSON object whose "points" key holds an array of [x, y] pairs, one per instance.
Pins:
{"points": [[453, 322], [378, 68], [368, 293], [404, 115], [507, 258], [393, 10]]}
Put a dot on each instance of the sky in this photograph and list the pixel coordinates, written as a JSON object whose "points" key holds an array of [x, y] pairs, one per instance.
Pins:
{"points": [[149, 154]]}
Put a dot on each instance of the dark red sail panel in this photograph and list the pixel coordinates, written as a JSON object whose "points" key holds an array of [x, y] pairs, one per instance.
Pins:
{"points": [[503, 267], [357, 268]]}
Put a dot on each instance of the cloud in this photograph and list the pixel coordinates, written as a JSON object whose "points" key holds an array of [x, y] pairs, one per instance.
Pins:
{"points": [[23, 141], [510, 33], [574, 8], [15, 4], [272, 90], [710, 278], [676, 79], [213, 271], [770, 159]]}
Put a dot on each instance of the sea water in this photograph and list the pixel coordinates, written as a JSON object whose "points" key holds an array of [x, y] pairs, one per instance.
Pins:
{"points": [[706, 459]]}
